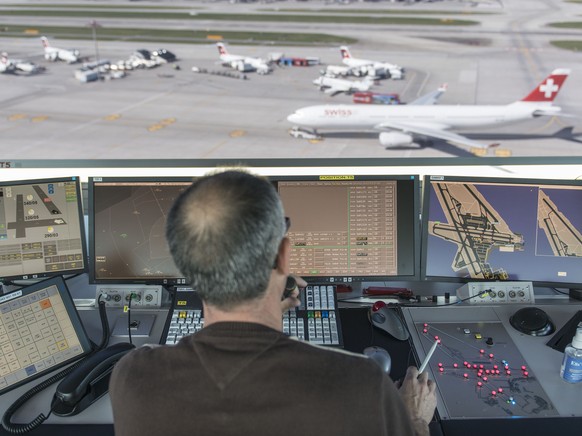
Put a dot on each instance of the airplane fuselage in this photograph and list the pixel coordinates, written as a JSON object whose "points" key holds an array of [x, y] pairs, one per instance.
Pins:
{"points": [[445, 117]]}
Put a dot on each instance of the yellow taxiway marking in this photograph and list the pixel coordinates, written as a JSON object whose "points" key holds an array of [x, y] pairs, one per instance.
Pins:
{"points": [[39, 118], [162, 124], [168, 121], [479, 151], [237, 133], [502, 152], [112, 117], [315, 141], [16, 117]]}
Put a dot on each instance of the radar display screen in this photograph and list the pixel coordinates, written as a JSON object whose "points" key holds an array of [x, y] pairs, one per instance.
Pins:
{"points": [[352, 228], [127, 223], [503, 229], [41, 228]]}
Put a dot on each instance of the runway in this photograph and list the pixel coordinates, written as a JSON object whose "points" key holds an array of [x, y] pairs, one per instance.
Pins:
{"points": [[168, 113]]}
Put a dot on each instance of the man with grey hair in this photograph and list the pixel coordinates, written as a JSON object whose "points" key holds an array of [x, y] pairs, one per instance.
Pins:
{"points": [[241, 374]]}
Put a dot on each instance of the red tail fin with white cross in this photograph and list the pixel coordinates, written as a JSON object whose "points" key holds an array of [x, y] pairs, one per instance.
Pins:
{"points": [[221, 48], [345, 52], [548, 90]]}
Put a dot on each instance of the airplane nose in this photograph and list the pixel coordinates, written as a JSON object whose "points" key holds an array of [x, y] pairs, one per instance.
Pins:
{"points": [[294, 117]]}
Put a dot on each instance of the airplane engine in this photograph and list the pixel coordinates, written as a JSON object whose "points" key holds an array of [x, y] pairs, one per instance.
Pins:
{"points": [[394, 139]]}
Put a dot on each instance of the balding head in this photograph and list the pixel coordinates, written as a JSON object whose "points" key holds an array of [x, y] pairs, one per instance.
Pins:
{"points": [[224, 233]]}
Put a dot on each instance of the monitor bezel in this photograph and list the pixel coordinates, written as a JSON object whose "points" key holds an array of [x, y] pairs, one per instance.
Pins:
{"points": [[414, 225], [479, 179], [165, 281], [82, 230], [84, 340]]}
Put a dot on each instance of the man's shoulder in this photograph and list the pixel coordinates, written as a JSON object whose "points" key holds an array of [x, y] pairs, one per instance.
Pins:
{"points": [[333, 354]]}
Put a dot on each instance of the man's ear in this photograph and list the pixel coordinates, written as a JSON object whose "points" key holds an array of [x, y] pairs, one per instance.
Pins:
{"points": [[284, 256]]}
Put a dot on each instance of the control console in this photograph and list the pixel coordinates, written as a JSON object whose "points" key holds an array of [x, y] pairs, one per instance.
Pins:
{"points": [[497, 293]]}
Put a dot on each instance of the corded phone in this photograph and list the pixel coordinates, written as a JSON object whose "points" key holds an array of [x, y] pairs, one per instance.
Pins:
{"points": [[88, 382]]}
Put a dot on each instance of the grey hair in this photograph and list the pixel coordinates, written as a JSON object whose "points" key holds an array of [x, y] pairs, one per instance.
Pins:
{"points": [[224, 233]]}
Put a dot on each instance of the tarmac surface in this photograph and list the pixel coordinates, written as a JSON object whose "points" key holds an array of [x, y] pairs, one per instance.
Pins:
{"points": [[175, 113]]}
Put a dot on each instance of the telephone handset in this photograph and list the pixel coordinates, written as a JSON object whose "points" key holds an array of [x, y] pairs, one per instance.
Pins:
{"points": [[88, 382]]}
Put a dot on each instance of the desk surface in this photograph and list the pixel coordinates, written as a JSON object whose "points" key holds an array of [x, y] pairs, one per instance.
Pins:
{"points": [[358, 334]]}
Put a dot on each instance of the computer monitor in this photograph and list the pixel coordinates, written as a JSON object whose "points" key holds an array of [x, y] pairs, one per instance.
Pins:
{"points": [[502, 229], [127, 222], [41, 228], [41, 331], [352, 228]]}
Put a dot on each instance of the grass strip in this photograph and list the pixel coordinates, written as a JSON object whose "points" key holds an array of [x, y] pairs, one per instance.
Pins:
{"points": [[173, 36], [335, 19], [568, 45], [567, 25], [382, 11]]}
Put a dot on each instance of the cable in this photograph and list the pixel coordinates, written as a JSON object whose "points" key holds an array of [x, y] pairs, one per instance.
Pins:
{"points": [[560, 292], [104, 323], [25, 428], [447, 304], [129, 317]]}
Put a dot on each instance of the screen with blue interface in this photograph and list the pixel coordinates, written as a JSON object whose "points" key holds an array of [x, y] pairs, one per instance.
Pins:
{"points": [[41, 228], [502, 229], [40, 331]]}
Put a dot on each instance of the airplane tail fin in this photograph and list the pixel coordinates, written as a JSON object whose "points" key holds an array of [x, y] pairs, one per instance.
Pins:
{"points": [[345, 52], [45, 42], [221, 48], [4, 57], [548, 89]]}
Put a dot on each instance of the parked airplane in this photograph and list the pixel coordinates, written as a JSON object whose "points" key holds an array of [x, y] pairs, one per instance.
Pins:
{"points": [[5, 65], [336, 70], [55, 54], [242, 63], [332, 86], [369, 67], [8, 65], [401, 124]]}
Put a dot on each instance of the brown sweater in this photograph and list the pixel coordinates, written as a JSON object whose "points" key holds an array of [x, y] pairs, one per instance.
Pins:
{"points": [[247, 379]]}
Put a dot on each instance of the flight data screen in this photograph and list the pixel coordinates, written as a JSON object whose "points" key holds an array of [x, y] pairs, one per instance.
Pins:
{"points": [[342, 228], [41, 229], [504, 231], [127, 231]]}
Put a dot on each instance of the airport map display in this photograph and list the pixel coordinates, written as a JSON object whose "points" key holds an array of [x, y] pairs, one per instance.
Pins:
{"points": [[40, 231], [480, 372], [504, 231]]}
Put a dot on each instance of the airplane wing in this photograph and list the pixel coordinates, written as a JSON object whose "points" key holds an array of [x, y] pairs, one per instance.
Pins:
{"points": [[430, 98], [433, 132], [334, 91]]}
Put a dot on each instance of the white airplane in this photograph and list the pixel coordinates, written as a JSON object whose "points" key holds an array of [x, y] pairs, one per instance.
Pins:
{"points": [[55, 54], [369, 67], [401, 124], [336, 70], [5, 65], [242, 63], [333, 86], [8, 65]]}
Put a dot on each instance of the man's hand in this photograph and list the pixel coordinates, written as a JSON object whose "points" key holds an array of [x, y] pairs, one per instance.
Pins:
{"points": [[419, 396], [293, 299]]}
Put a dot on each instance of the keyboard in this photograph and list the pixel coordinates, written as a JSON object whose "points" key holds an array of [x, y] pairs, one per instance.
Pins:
{"points": [[316, 320]]}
